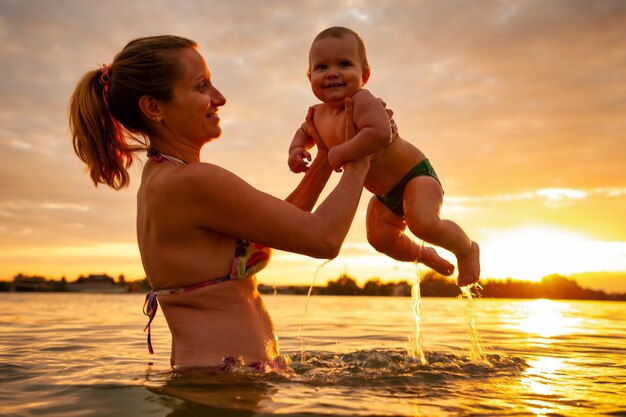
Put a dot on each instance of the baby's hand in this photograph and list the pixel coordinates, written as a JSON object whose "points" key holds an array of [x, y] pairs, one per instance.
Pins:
{"points": [[335, 160], [299, 160]]}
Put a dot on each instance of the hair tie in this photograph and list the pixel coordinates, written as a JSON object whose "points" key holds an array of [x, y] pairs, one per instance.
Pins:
{"points": [[104, 75]]}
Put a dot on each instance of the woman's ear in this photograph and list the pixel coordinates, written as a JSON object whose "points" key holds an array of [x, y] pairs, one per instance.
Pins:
{"points": [[150, 108]]}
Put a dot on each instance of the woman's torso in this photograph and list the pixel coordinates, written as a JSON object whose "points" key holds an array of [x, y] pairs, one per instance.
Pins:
{"points": [[227, 319]]}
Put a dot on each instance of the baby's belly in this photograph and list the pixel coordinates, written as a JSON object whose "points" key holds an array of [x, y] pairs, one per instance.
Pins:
{"points": [[382, 177], [391, 165]]}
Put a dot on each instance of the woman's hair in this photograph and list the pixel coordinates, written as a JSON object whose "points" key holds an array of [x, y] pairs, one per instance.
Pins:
{"points": [[341, 32], [104, 109]]}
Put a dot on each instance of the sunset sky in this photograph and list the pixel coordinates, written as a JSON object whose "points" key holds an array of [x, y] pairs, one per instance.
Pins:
{"points": [[519, 105]]}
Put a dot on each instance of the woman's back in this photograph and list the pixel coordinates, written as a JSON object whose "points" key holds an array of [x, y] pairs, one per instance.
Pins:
{"points": [[175, 250]]}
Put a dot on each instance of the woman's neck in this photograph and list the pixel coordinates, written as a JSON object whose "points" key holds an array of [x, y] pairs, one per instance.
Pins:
{"points": [[179, 151]]}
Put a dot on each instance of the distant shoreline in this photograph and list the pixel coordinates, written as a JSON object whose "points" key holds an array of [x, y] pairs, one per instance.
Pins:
{"points": [[554, 287]]}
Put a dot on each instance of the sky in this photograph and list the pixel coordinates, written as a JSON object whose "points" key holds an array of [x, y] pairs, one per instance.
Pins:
{"points": [[519, 105]]}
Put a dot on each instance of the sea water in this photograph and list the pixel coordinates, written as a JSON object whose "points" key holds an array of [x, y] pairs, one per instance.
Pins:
{"points": [[86, 355], [416, 343], [475, 349], [306, 308]]}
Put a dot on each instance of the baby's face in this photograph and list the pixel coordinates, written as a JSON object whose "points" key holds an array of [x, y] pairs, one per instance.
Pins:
{"points": [[336, 71]]}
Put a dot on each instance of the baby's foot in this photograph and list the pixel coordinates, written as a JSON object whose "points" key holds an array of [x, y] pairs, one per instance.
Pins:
{"points": [[430, 258], [469, 266]]}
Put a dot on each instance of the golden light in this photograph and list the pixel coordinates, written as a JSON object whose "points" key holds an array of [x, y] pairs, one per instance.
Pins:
{"points": [[546, 319], [530, 253]]}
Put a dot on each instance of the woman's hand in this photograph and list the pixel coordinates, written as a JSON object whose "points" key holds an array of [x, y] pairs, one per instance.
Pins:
{"points": [[392, 123], [334, 154], [350, 127], [312, 132]]}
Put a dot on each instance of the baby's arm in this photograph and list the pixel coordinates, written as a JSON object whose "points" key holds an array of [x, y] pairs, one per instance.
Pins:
{"points": [[298, 150], [374, 131]]}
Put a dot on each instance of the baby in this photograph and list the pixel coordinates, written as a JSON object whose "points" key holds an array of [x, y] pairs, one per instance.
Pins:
{"points": [[407, 191]]}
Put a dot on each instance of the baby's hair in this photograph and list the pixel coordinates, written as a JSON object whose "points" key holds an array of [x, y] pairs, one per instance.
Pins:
{"points": [[340, 32]]}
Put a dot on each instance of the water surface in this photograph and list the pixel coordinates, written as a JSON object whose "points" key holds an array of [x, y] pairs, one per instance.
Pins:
{"points": [[85, 355]]}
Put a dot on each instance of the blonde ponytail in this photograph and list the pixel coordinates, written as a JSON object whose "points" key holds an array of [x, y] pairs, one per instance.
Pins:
{"points": [[104, 108]]}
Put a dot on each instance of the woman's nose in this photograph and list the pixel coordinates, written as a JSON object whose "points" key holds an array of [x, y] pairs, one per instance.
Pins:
{"points": [[217, 99]]}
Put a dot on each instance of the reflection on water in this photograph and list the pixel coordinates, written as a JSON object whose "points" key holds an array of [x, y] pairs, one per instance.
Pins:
{"points": [[222, 392], [546, 319], [540, 371]]}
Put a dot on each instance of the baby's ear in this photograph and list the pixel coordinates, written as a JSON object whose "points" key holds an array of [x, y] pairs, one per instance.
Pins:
{"points": [[366, 75]]}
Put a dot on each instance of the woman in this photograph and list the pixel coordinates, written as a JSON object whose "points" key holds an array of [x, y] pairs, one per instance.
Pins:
{"points": [[195, 220]]}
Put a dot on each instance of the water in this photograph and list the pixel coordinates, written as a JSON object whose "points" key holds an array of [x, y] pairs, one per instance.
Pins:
{"points": [[417, 344], [85, 355], [476, 353], [306, 308]]}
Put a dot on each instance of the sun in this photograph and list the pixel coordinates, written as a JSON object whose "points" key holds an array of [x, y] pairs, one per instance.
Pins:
{"points": [[532, 252]]}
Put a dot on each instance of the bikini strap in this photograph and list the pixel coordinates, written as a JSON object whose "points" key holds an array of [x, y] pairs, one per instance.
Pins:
{"points": [[151, 304], [160, 157], [150, 307]]}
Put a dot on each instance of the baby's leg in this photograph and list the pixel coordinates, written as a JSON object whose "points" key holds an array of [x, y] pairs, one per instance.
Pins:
{"points": [[422, 202], [385, 232]]}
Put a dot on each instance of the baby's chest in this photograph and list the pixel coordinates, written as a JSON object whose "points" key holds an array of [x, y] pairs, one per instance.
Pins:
{"points": [[332, 130]]}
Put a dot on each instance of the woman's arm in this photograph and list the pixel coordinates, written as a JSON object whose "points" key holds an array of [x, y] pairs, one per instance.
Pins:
{"points": [[220, 201], [305, 195]]}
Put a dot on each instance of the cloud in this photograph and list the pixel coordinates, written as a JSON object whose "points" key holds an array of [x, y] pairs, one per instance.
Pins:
{"points": [[514, 102], [552, 197]]}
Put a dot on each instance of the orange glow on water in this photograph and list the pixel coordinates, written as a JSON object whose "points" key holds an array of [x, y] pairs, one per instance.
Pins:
{"points": [[546, 319]]}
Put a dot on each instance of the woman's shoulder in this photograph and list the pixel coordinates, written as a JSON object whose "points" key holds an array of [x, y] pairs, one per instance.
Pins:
{"points": [[201, 173], [185, 182]]}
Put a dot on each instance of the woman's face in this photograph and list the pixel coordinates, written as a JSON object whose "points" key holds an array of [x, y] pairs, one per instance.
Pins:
{"points": [[192, 112]]}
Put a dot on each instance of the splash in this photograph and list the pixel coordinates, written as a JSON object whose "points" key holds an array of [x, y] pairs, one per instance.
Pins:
{"points": [[396, 368], [476, 350], [306, 308], [416, 349]]}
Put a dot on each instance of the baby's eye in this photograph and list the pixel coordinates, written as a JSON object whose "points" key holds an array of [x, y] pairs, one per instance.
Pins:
{"points": [[320, 67], [345, 64]]}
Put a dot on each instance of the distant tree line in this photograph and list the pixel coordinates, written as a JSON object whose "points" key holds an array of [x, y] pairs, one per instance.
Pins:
{"points": [[92, 282], [556, 287]]}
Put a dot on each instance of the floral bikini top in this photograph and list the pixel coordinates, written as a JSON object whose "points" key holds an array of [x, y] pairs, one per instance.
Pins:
{"points": [[249, 259]]}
